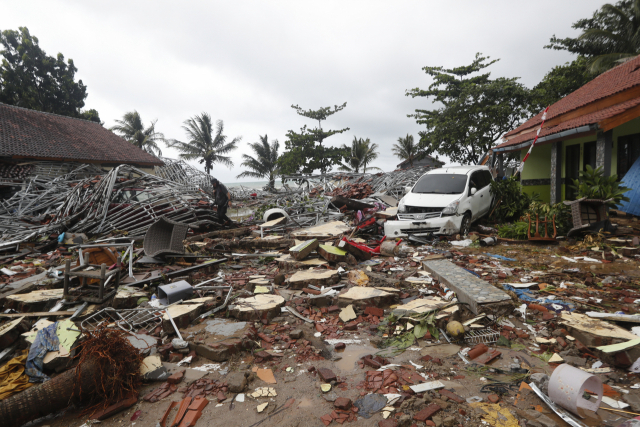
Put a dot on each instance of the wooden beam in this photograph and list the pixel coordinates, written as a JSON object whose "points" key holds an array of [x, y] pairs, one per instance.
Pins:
{"points": [[617, 120], [38, 314], [595, 106]]}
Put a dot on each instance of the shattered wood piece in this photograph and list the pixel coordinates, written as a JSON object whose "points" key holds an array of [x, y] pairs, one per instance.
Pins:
{"points": [[302, 250], [332, 253], [256, 308], [319, 278], [10, 332], [287, 263]]}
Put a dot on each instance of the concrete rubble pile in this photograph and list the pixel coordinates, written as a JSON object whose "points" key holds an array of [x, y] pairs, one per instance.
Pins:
{"points": [[311, 318]]}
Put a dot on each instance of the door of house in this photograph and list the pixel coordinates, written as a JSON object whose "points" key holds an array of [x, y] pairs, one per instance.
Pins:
{"points": [[628, 153], [589, 155], [572, 170]]}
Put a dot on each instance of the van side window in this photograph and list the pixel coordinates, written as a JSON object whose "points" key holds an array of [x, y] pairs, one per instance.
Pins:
{"points": [[488, 177], [475, 181]]}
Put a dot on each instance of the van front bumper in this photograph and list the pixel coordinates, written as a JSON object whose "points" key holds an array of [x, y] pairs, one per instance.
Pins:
{"points": [[446, 226]]}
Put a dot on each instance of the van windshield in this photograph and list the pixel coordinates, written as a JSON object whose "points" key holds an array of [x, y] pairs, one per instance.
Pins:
{"points": [[441, 184]]}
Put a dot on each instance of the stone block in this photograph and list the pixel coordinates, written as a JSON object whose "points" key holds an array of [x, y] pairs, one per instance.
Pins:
{"points": [[318, 278]]}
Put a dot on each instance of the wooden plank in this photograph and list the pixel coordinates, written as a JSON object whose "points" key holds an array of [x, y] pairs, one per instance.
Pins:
{"points": [[37, 314]]}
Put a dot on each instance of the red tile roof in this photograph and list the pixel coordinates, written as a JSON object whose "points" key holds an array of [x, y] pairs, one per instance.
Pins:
{"points": [[33, 134], [616, 80]]}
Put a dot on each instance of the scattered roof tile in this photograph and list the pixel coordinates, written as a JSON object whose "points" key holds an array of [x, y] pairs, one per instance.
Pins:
{"points": [[33, 134]]}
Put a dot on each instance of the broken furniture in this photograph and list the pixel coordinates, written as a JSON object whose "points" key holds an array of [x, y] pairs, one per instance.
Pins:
{"points": [[165, 237], [94, 293], [589, 214], [537, 237], [128, 253]]}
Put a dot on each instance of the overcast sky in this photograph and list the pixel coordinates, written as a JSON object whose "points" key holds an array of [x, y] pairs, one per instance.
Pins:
{"points": [[247, 62]]}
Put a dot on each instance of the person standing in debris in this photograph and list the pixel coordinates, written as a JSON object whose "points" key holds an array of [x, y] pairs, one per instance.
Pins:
{"points": [[221, 197]]}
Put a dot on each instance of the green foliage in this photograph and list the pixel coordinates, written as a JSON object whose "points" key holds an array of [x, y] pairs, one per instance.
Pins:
{"points": [[132, 129], [517, 230], [476, 112], [407, 149], [264, 165], [91, 115], [511, 201], [594, 185], [31, 79], [558, 83], [304, 152], [361, 153], [562, 212], [203, 144], [612, 35]]}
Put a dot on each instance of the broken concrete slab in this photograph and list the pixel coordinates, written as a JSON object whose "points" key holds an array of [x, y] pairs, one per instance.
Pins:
{"points": [[319, 278], [302, 250], [594, 332], [347, 314], [477, 293], [34, 300], [328, 229], [420, 306], [287, 263], [182, 314], [363, 297], [128, 298], [263, 306], [332, 253]]}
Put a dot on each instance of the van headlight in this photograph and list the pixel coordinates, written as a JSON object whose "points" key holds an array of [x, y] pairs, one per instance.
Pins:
{"points": [[401, 207], [451, 209]]}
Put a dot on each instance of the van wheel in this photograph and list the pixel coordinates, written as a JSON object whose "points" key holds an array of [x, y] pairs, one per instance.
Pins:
{"points": [[465, 225]]}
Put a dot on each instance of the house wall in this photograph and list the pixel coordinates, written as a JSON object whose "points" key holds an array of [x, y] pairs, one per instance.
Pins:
{"points": [[536, 172]]}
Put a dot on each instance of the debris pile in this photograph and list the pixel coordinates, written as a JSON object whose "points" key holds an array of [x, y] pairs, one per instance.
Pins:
{"points": [[122, 295]]}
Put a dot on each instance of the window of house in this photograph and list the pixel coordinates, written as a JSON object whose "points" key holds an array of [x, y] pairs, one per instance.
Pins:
{"points": [[572, 169], [628, 152]]}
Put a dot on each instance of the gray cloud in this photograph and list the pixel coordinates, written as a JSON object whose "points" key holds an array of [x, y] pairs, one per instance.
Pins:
{"points": [[247, 62]]}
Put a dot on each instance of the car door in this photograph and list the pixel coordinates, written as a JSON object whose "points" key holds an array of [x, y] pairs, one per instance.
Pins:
{"points": [[484, 192], [475, 201]]}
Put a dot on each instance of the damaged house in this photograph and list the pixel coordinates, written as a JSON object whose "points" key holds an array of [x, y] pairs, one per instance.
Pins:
{"points": [[597, 125]]}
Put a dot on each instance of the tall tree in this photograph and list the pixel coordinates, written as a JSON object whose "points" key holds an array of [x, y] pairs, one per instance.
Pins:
{"points": [[203, 144], [608, 38], [359, 155], [132, 129], [31, 79], [476, 112], [558, 83], [305, 151], [265, 164], [406, 149]]}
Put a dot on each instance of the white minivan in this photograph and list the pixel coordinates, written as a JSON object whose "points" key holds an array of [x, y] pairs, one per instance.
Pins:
{"points": [[444, 201]]}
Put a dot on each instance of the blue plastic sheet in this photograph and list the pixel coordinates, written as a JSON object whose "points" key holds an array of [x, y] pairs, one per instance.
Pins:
{"points": [[503, 258], [524, 295]]}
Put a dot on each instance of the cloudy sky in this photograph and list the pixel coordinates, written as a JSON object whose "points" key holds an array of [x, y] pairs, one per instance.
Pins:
{"points": [[247, 62]]}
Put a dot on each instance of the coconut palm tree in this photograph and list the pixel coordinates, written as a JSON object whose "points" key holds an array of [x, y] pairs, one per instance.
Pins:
{"points": [[370, 154], [361, 153], [406, 149], [203, 144], [131, 129], [264, 164], [620, 39]]}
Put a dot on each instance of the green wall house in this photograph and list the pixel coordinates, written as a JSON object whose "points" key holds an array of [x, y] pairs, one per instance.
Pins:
{"points": [[597, 125]]}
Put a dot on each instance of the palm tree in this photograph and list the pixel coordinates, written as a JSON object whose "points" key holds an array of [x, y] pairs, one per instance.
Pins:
{"points": [[406, 149], [203, 144], [370, 154], [132, 130], [622, 41], [264, 164], [360, 154]]}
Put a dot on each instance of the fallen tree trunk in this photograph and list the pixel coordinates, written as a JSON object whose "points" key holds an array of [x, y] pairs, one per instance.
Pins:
{"points": [[47, 398]]}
